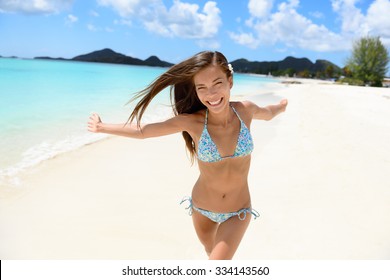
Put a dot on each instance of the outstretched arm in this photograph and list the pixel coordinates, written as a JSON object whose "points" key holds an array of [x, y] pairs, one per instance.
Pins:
{"points": [[170, 126], [269, 112]]}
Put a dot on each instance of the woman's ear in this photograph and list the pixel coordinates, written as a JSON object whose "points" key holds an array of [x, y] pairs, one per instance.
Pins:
{"points": [[230, 80]]}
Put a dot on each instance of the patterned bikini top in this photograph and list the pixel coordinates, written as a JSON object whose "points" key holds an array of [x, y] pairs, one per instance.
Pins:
{"points": [[208, 152]]}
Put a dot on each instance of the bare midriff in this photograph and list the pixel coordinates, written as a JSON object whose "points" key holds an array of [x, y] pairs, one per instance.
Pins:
{"points": [[223, 186]]}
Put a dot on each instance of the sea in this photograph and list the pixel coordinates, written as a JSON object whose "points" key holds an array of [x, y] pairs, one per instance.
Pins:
{"points": [[45, 106]]}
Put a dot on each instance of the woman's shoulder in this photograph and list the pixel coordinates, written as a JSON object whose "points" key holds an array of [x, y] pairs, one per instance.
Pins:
{"points": [[245, 110], [244, 107], [191, 121], [245, 104], [196, 116]]}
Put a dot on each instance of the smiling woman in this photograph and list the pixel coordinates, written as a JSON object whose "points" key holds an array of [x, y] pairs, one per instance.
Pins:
{"points": [[217, 134]]}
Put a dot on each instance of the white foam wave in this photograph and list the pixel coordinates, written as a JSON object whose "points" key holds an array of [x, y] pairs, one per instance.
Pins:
{"points": [[11, 176], [45, 150]]}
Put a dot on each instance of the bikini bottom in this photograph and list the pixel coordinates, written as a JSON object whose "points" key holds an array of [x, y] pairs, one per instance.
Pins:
{"points": [[219, 217]]}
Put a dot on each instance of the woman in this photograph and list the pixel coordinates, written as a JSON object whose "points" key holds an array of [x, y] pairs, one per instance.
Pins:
{"points": [[216, 132]]}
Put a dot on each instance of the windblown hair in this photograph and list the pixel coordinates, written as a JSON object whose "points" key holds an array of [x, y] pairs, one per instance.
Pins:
{"points": [[184, 98]]}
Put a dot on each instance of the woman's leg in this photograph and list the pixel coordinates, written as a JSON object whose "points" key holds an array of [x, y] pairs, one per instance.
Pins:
{"points": [[228, 237], [206, 230]]}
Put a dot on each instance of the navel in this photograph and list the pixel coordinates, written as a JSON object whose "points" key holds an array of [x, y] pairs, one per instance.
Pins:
{"points": [[224, 195]]}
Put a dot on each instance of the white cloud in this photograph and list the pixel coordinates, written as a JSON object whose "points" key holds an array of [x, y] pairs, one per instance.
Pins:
{"points": [[123, 22], [127, 7], [246, 39], [290, 28], [317, 14], [94, 13], [34, 6], [71, 19], [92, 27], [378, 19], [260, 8], [352, 17], [355, 23], [293, 29], [182, 19]]}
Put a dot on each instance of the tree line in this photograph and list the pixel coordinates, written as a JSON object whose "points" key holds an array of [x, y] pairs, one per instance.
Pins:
{"points": [[367, 65]]}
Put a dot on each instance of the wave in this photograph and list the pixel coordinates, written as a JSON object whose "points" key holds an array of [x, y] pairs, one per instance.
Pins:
{"points": [[46, 150]]}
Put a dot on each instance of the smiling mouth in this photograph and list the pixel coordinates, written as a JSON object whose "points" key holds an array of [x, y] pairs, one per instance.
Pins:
{"points": [[215, 103]]}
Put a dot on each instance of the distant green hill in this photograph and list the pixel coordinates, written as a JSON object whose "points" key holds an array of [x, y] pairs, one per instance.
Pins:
{"points": [[289, 64], [109, 56], [295, 64]]}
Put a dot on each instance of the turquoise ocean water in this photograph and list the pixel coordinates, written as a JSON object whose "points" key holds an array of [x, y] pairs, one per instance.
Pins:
{"points": [[45, 105]]}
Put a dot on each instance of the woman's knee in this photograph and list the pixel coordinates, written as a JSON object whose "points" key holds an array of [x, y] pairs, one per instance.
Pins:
{"points": [[207, 241], [221, 251]]}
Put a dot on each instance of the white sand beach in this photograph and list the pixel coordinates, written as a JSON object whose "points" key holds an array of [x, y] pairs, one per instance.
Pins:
{"points": [[319, 178]]}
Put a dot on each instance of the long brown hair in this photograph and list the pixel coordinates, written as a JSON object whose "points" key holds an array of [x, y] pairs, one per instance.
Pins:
{"points": [[184, 98]]}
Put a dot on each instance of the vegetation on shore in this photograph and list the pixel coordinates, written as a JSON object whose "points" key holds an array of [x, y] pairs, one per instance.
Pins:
{"points": [[290, 66], [368, 63], [367, 66]]}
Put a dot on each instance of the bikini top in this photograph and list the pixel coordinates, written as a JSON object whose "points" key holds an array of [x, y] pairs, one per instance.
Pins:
{"points": [[208, 152]]}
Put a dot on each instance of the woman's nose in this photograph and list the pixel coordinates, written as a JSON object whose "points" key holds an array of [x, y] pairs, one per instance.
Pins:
{"points": [[211, 91]]}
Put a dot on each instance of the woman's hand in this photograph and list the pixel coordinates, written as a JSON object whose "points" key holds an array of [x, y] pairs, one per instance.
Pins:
{"points": [[93, 124], [283, 104]]}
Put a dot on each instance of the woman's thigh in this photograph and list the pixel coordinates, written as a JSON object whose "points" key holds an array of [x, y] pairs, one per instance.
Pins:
{"points": [[205, 230], [228, 237]]}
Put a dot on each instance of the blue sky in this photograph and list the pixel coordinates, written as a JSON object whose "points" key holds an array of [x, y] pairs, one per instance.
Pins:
{"points": [[262, 30]]}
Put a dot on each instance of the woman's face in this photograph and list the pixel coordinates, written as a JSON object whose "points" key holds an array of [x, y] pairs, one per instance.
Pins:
{"points": [[213, 87]]}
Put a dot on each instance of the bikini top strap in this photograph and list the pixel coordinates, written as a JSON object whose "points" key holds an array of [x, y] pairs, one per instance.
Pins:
{"points": [[206, 117], [234, 110]]}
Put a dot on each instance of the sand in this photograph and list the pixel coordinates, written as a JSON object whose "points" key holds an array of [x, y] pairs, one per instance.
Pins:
{"points": [[319, 178]]}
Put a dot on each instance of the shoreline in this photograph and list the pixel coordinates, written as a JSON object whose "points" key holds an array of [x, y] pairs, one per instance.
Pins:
{"points": [[318, 178], [53, 117]]}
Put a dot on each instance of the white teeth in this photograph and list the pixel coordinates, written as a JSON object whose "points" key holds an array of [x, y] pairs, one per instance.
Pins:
{"points": [[215, 102]]}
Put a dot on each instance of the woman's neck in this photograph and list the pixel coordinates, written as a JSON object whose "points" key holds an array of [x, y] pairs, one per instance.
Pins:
{"points": [[223, 118]]}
